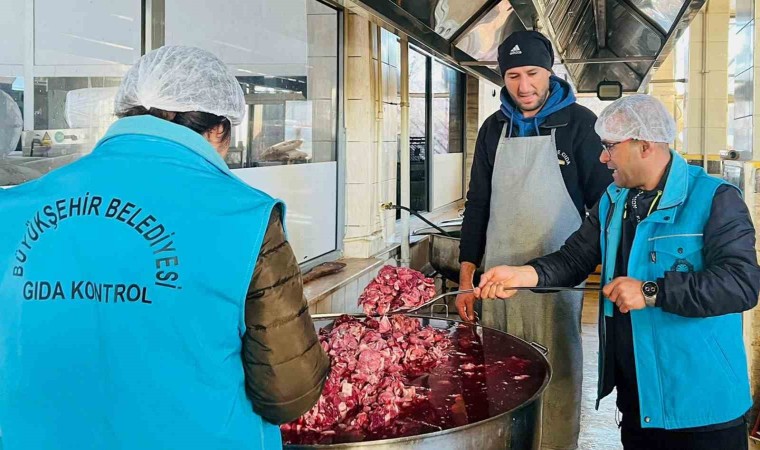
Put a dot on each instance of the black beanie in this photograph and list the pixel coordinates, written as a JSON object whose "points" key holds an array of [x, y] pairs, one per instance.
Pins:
{"points": [[525, 48]]}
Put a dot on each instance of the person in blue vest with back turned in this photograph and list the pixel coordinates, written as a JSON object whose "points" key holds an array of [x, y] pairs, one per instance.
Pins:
{"points": [[677, 249], [149, 298]]}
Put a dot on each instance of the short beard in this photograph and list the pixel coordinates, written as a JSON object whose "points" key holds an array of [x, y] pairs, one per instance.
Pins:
{"points": [[538, 106]]}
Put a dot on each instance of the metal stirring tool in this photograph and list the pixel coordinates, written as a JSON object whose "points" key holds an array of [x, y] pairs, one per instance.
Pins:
{"points": [[469, 291]]}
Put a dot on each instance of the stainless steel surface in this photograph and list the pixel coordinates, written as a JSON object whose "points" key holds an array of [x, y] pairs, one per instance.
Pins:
{"points": [[579, 29], [444, 250], [635, 28], [626, 59], [517, 429], [399, 21], [663, 12], [482, 40], [444, 257], [735, 155], [544, 351], [733, 172], [480, 63], [452, 15], [600, 20]]}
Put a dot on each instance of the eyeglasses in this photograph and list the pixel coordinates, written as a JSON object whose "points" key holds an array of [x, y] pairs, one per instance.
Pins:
{"points": [[608, 146]]}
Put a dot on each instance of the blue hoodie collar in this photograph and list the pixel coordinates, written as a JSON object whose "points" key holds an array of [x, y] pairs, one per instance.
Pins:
{"points": [[560, 96]]}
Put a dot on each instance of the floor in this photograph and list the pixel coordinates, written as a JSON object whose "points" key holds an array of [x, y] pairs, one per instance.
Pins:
{"points": [[598, 428]]}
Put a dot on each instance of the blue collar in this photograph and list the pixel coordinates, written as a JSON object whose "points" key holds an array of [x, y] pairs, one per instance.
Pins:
{"points": [[163, 129], [676, 186]]}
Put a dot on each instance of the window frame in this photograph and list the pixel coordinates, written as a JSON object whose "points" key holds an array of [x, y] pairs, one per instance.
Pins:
{"points": [[152, 36]]}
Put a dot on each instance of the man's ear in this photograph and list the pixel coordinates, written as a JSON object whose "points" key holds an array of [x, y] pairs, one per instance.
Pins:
{"points": [[647, 149]]}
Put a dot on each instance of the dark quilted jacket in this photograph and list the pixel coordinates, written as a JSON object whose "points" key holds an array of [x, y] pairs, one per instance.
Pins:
{"points": [[285, 366]]}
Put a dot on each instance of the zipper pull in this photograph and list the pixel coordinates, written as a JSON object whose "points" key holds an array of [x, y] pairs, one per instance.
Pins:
{"points": [[653, 256]]}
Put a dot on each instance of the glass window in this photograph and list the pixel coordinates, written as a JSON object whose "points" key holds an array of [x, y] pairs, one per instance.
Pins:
{"points": [[681, 55], [447, 115], [682, 61], [285, 56], [291, 88], [86, 32], [77, 69], [418, 131], [74, 102], [436, 112], [447, 109], [70, 116], [12, 37]]}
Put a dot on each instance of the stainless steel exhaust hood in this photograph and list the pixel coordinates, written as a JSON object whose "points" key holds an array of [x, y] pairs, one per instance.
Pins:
{"points": [[616, 40]]}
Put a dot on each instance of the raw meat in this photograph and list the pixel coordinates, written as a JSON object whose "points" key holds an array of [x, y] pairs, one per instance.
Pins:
{"points": [[372, 362], [394, 289]]}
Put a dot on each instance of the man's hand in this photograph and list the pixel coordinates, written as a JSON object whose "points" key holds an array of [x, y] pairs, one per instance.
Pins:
{"points": [[496, 282], [466, 306], [465, 303], [626, 293]]}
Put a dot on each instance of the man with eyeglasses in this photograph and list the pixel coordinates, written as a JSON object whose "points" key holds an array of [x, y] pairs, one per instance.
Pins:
{"points": [[677, 247], [534, 174]]}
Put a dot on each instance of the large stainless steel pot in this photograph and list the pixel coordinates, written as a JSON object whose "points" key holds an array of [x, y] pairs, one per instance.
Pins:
{"points": [[518, 428], [444, 250]]}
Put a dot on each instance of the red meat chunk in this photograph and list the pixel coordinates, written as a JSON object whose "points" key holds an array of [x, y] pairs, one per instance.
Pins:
{"points": [[394, 289], [372, 362]]}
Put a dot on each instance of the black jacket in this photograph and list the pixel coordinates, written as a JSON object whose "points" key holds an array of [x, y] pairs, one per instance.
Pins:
{"points": [[578, 147], [729, 283]]}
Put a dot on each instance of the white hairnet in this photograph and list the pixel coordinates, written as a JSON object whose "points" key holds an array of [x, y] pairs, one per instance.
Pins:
{"points": [[182, 79], [640, 117], [11, 123]]}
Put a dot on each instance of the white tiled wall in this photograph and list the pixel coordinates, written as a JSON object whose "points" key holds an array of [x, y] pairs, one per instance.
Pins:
{"points": [[370, 175]]}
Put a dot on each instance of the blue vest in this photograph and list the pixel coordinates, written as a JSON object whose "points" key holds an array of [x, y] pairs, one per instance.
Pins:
{"points": [[123, 279], [691, 371]]}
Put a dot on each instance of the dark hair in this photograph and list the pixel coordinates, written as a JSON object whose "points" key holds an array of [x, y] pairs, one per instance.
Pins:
{"points": [[200, 122]]}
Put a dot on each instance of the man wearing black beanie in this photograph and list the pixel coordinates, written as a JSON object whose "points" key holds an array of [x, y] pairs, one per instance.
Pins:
{"points": [[536, 170]]}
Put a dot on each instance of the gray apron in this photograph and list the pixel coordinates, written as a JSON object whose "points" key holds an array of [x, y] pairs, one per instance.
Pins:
{"points": [[532, 215]]}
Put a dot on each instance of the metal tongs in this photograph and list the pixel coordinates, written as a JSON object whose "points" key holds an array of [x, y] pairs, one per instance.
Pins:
{"points": [[469, 291]]}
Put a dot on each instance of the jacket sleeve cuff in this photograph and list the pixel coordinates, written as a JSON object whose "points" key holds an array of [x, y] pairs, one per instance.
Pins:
{"points": [[539, 270], [660, 300], [469, 257]]}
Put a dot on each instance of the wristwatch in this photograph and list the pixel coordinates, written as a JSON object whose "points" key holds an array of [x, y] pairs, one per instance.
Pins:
{"points": [[650, 290]]}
